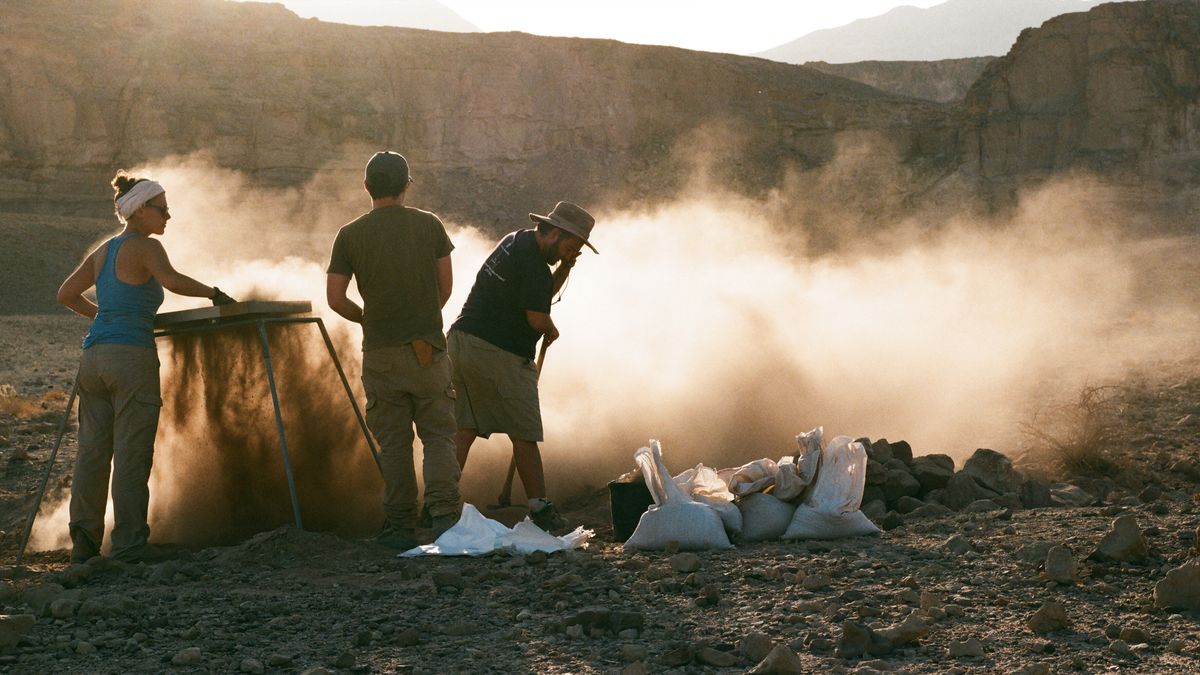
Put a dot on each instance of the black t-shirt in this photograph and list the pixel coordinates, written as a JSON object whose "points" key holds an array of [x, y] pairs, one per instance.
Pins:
{"points": [[514, 278]]}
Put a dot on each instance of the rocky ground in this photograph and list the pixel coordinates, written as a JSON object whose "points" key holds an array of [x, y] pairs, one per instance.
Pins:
{"points": [[967, 579]]}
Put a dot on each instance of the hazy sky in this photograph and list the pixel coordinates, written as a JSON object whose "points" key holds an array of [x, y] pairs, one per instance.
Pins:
{"points": [[738, 26]]}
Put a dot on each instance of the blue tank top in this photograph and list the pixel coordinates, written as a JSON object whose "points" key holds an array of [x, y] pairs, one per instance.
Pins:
{"points": [[126, 315]]}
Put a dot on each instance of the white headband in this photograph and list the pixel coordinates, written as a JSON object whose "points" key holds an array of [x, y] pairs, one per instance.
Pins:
{"points": [[137, 197]]}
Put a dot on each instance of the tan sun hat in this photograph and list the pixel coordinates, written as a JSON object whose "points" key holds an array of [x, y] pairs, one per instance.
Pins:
{"points": [[570, 218]]}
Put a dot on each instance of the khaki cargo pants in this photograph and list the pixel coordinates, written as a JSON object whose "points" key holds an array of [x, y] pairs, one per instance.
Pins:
{"points": [[119, 402], [401, 393]]}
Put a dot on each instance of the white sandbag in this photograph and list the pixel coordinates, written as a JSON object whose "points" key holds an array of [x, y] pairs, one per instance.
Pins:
{"points": [[675, 517], [704, 485], [753, 477], [796, 474], [703, 481], [765, 517], [731, 517], [809, 523], [831, 509]]}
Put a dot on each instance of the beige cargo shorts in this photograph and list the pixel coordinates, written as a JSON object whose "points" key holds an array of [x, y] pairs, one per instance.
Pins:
{"points": [[497, 390]]}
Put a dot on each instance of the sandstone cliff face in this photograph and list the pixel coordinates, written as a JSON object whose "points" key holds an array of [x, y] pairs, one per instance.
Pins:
{"points": [[1115, 90], [495, 125], [941, 81]]}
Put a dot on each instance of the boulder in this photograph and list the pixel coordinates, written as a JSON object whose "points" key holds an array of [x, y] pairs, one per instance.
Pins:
{"points": [[900, 483], [993, 471], [1060, 565], [1180, 589], [1051, 616], [1035, 494], [963, 489], [880, 450], [933, 471], [1123, 542], [13, 627], [779, 661]]}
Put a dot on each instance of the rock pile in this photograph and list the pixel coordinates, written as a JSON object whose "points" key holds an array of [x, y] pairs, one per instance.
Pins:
{"points": [[902, 487]]}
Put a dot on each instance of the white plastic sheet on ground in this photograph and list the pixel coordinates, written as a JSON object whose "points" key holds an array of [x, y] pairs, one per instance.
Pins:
{"points": [[474, 535]]}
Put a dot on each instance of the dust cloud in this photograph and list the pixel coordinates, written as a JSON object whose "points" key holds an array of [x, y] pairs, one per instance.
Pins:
{"points": [[721, 324]]}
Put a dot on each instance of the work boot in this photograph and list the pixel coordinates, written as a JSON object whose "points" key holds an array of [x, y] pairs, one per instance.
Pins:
{"points": [[147, 553], [397, 538], [549, 519], [439, 524]]}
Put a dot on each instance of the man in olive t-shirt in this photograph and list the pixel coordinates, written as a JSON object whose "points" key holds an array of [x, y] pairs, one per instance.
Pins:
{"points": [[400, 257]]}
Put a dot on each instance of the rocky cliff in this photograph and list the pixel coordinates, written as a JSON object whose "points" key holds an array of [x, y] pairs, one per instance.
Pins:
{"points": [[1115, 90], [943, 81], [494, 124]]}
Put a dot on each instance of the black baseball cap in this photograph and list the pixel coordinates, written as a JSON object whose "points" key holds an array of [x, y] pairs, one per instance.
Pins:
{"points": [[388, 168]]}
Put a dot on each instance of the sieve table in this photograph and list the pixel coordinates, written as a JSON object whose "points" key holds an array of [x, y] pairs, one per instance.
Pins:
{"points": [[258, 313]]}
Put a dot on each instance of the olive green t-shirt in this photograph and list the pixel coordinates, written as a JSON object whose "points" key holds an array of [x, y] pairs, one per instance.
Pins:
{"points": [[392, 254]]}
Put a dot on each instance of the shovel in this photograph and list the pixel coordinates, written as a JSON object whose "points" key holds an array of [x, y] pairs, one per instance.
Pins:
{"points": [[505, 498]]}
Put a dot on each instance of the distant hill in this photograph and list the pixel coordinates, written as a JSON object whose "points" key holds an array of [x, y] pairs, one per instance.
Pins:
{"points": [[952, 30], [426, 14], [942, 81]]}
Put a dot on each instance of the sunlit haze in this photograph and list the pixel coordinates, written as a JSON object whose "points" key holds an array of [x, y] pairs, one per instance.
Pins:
{"points": [[739, 28]]}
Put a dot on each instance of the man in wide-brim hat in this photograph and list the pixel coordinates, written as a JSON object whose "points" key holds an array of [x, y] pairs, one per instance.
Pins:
{"points": [[492, 344]]}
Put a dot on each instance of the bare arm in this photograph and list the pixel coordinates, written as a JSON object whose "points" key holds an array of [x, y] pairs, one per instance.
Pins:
{"points": [[542, 323], [160, 268], [561, 272], [445, 277], [70, 294], [335, 295]]}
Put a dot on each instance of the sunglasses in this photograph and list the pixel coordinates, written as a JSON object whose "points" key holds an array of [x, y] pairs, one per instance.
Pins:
{"points": [[158, 207]]}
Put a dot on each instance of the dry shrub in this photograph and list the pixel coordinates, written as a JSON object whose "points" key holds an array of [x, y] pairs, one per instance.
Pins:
{"points": [[27, 407], [1080, 438]]}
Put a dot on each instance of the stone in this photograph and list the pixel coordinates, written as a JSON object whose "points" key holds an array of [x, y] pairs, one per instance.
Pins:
{"points": [[14, 627], [189, 656], [251, 666], [981, 506], [1035, 494], [679, 656], [1180, 589], [958, 545], [755, 646], [993, 471], [1060, 565], [633, 653], [448, 579], [931, 511], [880, 451], [345, 661], [110, 605], [875, 510], [1065, 494], [1134, 635], [684, 563], [1123, 543], [779, 661], [714, 657], [900, 483], [902, 451], [816, 582], [933, 472], [858, 640], [637, 668], [913, 628], [876, 472], [279, 661], [891, 521], [969, 648], [64, 608], [39, 597], [1050, 617], [409, 637], [908, 504], [962, 489], [84, 648]]}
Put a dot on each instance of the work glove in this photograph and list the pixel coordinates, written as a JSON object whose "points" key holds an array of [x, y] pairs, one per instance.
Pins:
{"points": [[219, 297]]}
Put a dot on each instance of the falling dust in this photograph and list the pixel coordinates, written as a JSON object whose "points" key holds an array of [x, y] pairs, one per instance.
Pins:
{"points": [[707, 322]]}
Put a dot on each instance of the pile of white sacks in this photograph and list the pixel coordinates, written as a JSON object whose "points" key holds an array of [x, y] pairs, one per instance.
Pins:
{"points": [[814, 494]]}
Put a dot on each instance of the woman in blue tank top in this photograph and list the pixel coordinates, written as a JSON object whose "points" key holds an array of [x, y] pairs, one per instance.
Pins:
{"points": [[119, 395]]}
